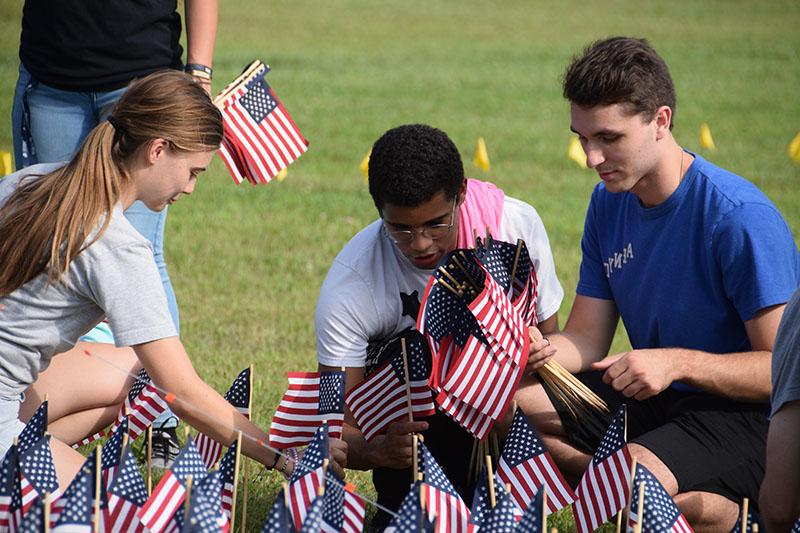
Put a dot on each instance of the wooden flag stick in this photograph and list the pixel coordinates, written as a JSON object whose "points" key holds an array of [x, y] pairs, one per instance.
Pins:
{"points": [[188, 501], [408, 382], [236, 475], [46, 518], [449, 276], [149, 455], [640, 509], [470, 279], [544, 506], [475, 237], [246, 463], [242, 78], [47, 420], [619, 522], [98, 466], [633, 476], [414, 458], [490, 476], [514, 270], [488, 238], [745, 505], [447, 286]]}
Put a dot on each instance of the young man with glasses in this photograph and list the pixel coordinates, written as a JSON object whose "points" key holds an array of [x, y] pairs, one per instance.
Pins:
{"points": [[372, 292]]}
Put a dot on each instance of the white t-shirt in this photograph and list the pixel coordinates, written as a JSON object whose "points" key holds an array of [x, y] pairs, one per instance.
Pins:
{"points": [[115, 277], [372, 291]]}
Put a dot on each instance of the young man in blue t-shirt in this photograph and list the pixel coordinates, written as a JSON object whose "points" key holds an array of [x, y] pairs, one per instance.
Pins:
{"points": [[698, 263]]}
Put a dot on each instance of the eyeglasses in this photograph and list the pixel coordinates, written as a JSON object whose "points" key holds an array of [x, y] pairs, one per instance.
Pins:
{"points": [[433, 232]]}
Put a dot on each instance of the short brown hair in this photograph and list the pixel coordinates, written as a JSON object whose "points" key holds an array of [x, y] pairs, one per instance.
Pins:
{"points": [[620, 70]]}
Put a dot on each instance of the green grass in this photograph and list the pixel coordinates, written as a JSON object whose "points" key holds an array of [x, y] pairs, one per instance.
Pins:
{"points": [[247, 263]]}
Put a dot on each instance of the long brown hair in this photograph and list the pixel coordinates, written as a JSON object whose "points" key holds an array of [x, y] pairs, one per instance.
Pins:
{"points": [[46, 222]]}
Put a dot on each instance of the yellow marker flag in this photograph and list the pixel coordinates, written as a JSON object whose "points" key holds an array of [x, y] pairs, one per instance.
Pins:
{"points": [[576, 153], [482, 156], [706, 140], [5, 163], [794, 149], [282, 174], [364, 166]]}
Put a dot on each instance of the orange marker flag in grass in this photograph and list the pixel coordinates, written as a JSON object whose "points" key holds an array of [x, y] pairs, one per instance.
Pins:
{"points": [[794, 149], [5, 163], [576, 153], [364, 166], [282, 174], [481, 159], [706, 140]]}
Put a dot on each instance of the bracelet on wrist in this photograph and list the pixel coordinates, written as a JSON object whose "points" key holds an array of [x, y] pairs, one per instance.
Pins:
{"points": [[198, 69], [275, 462]]}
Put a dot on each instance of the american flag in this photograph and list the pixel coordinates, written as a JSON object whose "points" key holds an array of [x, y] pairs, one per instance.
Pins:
{"points": [[227, 472], [532, 517], [171, 490], [76, 509], [312, 397], [38, 473], [481, 500], [795, 528], [261, 138], [605, 485], [238, 395], [410, 518], [441, 499], [503, 518], [34, 520], [279, 519], [308, 475], [344, 511], [313, 520], [9, 486], [469, 418], [661, 515], [112, 453], [381, 398], [499, 261], [754, 518], [143, 405], [526, 465], [204, 508], [126, 495], [34, 429]]}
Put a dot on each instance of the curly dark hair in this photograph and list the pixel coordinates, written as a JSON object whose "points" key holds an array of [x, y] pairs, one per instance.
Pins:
{"points": [[620, 70], [412, 163]]}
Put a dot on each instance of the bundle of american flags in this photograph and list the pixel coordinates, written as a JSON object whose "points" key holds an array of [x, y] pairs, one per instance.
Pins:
{"points": [[260, 138], [475, 314]]}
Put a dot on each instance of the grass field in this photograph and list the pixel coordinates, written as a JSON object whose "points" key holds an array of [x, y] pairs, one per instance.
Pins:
{"points": [[247, 262]]}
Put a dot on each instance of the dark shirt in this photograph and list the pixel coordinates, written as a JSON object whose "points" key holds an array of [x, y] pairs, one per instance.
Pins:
{"points": [[98, 45]]}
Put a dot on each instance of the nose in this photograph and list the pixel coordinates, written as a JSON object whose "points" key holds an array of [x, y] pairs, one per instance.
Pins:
{"points": [[189, 189], [594, 155], [420, 242]]}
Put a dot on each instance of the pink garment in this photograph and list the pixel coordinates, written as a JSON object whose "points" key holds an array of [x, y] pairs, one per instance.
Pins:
{"points": [[482, 208]]}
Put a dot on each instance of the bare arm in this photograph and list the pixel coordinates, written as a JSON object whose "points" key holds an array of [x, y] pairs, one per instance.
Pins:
{"points": [[741, 376], [392, 450], [201, 33], [201, 406], [584, 340], [779, 500]]}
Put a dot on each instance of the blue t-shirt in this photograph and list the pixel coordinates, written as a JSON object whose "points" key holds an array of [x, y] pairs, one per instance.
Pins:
{"points": [[690, 271]]}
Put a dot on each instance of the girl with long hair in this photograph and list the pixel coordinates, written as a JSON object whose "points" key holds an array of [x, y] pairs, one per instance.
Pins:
{"points": [[69, 258]]}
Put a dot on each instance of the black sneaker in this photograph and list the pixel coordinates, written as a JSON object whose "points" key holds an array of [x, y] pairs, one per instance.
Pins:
{"points": [[165, 447]]}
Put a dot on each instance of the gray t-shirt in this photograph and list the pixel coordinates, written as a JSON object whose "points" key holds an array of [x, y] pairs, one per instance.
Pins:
{"points": [[115, 277], [786, 357]]}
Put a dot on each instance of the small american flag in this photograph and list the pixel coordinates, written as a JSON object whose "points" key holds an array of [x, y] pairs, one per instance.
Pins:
{"points": [[499, 261], [503, 518], [279, 519], [343, 511], [313, 521], [661, 515], [441, 499], [381, 398], [33, 521], [126, 495], [308, 475], [205, 513], [795, 528], [754, 518], [532, 517], [238, 395], [9, 486], [211, 488], [171, 490], [112, 453], [481, 501], [34, 429], [605, 485], [527, 466], [261, 138], [227, 471], [410, 518], [76, 509], [312, 398], [143, 405], [38, 473]]}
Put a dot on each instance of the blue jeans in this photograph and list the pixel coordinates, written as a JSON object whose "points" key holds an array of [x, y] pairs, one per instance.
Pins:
{"points": [[49, 125]]}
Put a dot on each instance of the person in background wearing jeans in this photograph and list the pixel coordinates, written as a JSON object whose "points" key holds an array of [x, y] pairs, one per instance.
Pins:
{"points": [[76, 59]]}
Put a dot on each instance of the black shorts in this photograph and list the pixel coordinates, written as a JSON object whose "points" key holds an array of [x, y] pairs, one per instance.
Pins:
{"points": [[709, 443]]}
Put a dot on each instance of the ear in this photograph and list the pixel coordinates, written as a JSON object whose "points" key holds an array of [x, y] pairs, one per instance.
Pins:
{"points": [[662, 120], [156, 149], [462, 193]]}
